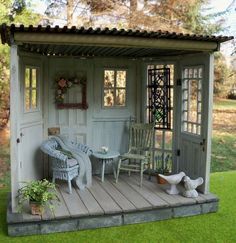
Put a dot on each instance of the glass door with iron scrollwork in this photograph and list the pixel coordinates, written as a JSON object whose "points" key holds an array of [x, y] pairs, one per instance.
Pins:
{"points": [[159, 109]]}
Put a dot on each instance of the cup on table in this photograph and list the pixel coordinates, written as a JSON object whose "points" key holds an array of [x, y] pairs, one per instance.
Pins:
{"points": [[104, 149]]}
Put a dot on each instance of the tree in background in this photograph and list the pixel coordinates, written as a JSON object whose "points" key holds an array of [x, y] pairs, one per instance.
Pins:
{"points": [[174, 15], [18, 12], [187, 16], [224, 76]]}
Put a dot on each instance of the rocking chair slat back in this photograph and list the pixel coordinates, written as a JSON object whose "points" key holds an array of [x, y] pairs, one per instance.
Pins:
{"points": [[140, 137], [140, 150]]}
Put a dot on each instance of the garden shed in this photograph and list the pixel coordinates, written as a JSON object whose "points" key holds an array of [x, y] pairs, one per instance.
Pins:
{"points": [[116, 76]]}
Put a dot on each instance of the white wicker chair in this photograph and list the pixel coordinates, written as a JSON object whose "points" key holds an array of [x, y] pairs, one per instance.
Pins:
{"points": [[63, 167]]}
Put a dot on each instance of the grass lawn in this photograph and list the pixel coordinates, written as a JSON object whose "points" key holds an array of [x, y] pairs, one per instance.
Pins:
{"points": [[223, 152], [224, 136], [214, 227], [4, 159], [224, 104]]}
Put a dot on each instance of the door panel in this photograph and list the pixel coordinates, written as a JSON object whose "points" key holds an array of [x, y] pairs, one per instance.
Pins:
{"points": [[73, 123], [31, 122], [193, 112], [191, 134], [31, 156]]}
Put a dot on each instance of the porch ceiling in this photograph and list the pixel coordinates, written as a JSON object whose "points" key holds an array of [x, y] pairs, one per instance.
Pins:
{"points": [[98, 51]]}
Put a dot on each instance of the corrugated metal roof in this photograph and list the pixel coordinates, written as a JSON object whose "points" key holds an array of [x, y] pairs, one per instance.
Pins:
{"points": [[58, 46], [8, 31]]}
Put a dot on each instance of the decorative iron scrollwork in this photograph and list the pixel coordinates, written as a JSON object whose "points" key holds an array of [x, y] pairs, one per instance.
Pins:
{"points": [[159, 100]]}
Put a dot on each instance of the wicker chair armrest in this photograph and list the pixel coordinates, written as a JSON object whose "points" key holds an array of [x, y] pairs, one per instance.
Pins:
{"points": [[83, 147], [49, 148]]}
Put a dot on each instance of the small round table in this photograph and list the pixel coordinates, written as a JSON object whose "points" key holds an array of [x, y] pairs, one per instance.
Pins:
{"points": [[106, 158]]}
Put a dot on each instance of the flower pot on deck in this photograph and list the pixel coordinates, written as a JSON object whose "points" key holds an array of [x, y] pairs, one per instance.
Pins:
{"points": [[36, 208], [161, 180]]}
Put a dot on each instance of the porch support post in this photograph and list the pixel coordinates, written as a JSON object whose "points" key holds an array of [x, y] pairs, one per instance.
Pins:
{"points": [[14, 123], [208, 121]]}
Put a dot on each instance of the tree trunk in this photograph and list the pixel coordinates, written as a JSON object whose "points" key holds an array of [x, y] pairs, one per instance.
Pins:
{"points": [[70, 6], [133, 9]]}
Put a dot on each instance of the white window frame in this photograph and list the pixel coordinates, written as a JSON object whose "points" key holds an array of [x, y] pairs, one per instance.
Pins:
{"points": [[199, 108], [31, 88], [115, 88]]}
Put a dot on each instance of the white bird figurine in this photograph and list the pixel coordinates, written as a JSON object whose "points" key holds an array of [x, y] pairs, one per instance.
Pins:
{"points": [[191, 185], [173, 180]]}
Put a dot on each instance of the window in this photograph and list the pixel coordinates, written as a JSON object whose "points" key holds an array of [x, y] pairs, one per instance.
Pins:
{"points": [[192, 100], [159, 97], [114, 87], [31, 89], [163, 137]]}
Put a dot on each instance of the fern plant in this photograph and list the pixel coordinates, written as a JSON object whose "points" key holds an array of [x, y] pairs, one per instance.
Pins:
{"points": [[41, 192]]}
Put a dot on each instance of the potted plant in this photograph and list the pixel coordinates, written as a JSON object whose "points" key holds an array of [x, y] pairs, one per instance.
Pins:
{"points": [[39, 194]]}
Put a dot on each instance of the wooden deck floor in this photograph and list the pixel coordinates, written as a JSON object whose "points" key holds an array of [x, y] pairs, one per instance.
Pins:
{"points": [[108, 204]]}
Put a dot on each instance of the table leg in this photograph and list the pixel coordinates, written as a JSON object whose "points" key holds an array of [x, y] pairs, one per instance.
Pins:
{"points": [[103, 169], [114, 169]]}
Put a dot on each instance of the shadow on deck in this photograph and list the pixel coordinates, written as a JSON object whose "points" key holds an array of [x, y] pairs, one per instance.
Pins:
{"points": [[109, 204]]}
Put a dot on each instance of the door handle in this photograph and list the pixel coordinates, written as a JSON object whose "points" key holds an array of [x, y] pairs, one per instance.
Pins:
{"points": [[203, 144]]}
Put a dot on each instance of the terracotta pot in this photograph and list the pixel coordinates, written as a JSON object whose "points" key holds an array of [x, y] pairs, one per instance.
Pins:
{"points": [[36, 208], [160, 180]]}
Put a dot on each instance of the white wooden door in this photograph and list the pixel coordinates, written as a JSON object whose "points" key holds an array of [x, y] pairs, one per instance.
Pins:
{"points": [[30, 134], [73, 123], [193, 130]]}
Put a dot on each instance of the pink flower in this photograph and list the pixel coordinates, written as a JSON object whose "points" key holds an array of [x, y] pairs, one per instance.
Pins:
{"points": [[62, 83]]}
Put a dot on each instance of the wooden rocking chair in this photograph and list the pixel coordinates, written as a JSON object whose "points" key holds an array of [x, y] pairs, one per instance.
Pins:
{"points": [[138, 157]]}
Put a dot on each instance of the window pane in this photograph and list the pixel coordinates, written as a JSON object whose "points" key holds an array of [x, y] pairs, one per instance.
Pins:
{"points": [[121, 79], [34, 78], [109, 80], [185, 73], [158, 139], [195, 72], [34, 99], [108, 97], [185, 84], [200, 72], [168, 139], [27, 99], [193, 101], [27, 78], [190, 72], [120, 97]]}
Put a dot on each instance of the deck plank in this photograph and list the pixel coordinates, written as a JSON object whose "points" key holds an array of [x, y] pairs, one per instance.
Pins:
{"points": [[198, 199], [134, 197], [89, 201], [61, 211], [48, 214], [104, 199], [183, 200], [73, 202], [155, 188], [152, 198], [118, 197], [210, 197]]}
